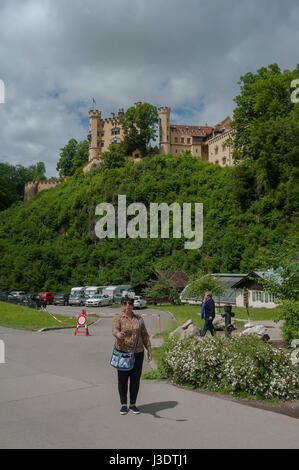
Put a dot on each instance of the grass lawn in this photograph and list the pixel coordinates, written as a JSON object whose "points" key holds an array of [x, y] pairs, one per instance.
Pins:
{"points": [[24, 318], [182, 313], [258, 313]]}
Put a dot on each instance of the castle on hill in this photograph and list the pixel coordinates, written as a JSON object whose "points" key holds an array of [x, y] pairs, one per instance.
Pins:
{"points": [[209, 143]]}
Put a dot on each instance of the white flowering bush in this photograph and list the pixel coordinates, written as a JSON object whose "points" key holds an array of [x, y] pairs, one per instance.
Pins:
{"points": [[244, 366]]}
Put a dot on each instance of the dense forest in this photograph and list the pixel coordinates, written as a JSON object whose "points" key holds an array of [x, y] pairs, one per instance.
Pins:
{"points": [[250, 209], [49, 243]]}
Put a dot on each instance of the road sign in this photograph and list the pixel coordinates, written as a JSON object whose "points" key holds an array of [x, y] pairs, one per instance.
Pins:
{"points": [[82, 322]]}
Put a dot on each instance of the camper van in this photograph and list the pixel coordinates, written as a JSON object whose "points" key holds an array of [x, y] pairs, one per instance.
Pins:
{"points": [[77, 291], [116, 292], [91, 291]]}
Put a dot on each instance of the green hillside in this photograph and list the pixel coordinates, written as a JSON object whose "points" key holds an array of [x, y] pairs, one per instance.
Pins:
{"points": [[49, 243]]}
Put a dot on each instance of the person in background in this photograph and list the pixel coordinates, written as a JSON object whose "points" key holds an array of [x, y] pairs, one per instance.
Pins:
{"points": [[208, 313], [125, 329]]}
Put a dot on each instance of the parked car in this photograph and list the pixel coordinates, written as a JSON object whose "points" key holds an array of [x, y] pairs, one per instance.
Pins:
{"points": [[77, 299], [99, 301], [139, 302], [48, 297], [31, 301], [3, 296], [117, 298], [18, 294], [61, 299]]}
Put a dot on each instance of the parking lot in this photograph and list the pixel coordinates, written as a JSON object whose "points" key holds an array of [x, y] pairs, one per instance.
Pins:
{"points": [[150, 315]]}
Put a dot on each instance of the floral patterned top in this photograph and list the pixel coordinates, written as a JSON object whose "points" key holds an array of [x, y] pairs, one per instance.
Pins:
{"points": [[130, 325]]}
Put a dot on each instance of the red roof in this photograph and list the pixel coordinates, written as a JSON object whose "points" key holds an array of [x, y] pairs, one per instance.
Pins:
{"points": [[192, 130]]}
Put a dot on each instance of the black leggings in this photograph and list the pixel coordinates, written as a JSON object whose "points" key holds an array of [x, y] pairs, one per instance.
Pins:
{"points": [[134, 374]]}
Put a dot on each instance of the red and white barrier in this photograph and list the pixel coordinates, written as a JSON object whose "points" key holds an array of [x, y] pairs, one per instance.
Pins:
{"points": [[82, 322]]}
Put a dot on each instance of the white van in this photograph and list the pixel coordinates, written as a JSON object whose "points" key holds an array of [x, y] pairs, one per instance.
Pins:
{"points": [[116, 292], [77, 291], [91, 291]]}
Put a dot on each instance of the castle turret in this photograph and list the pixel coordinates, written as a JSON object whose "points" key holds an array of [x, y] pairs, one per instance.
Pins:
{"points": [[94, 119], [164, 115]]}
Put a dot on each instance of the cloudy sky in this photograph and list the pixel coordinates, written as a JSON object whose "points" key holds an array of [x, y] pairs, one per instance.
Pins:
{"points": [[56, 55]]}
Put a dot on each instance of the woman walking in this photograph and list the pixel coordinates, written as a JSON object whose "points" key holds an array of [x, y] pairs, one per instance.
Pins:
{"points": [[127, 329]]}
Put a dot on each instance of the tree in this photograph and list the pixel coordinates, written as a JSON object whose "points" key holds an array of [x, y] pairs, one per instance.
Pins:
{"points": [[266, 127], [13, 179], [159, 289], [200, 284], [284, 283], [40, 170], [114, 157], [72, 156], [139, 125]]}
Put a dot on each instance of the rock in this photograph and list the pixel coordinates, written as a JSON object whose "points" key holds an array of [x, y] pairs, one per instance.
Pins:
{"points": [[186, 325], [295, 343], [193, 330], [295, 357], [219, 323], [258, 330], [188, 329]]}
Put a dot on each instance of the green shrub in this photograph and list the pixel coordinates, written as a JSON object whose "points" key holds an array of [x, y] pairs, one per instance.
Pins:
{"points": [[244, 366], [290, 315]]}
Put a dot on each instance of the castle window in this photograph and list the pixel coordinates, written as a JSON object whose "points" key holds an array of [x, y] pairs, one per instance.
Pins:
{"points": [[188, 140], [182, 140], [216, 150], [216, 162], [176, 139], [115, 131], [115, 140], [224, 160]]}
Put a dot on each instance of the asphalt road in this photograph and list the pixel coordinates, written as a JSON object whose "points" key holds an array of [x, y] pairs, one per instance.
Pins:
{"points": [[59, 391], [149, 315]]}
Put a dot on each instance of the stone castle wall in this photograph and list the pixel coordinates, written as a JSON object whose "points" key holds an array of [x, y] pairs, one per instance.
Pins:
{"points": [[34, 187]]}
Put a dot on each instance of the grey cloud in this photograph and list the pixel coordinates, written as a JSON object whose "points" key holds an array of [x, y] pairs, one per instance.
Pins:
{"points": [[56, 55]]}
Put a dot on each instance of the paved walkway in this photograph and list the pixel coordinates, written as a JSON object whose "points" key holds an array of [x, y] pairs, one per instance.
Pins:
{"points": [[273, 329], [59, 391]]}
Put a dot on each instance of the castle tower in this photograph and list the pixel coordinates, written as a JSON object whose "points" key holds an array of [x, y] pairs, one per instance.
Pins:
{"points": [[94, 121], [164, 115]]}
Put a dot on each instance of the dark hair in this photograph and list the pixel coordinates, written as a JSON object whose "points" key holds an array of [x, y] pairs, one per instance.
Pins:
{"points": [[130, 301], [124, 300]]}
